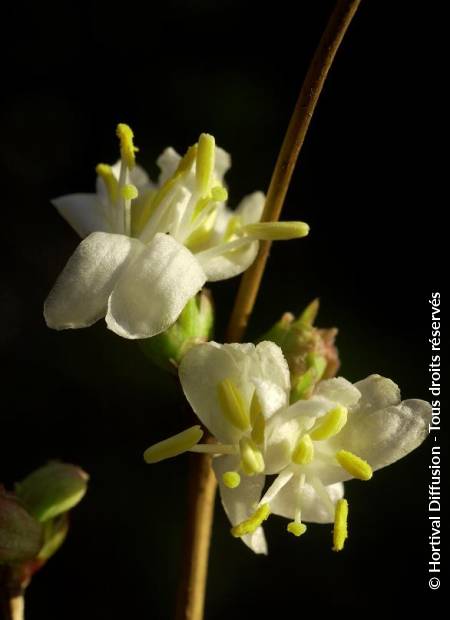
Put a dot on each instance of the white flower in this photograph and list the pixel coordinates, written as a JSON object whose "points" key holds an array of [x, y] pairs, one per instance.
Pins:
{"points": [[150, 248], [241, 394]]}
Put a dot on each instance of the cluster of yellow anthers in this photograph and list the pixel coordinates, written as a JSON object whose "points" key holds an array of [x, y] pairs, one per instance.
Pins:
{"points": [[255, 446], [151, 247]]}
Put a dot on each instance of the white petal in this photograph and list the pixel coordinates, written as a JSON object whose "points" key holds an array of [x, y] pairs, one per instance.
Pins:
{"points": [[283, 430], [222, 163], [239, 504], [201, 370], [313, 508], [338, 390], [272, 378], [80, 295], [84, 212], [167, 162], [225, 266], [205, 366], [153, 291], [382, 436], [377, 392], [251, 207]]}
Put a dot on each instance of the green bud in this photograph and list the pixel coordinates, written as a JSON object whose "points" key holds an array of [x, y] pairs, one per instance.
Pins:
{"points": [[193, 326], [21, 536], [52, 490], [55, 532], [310, 352]]}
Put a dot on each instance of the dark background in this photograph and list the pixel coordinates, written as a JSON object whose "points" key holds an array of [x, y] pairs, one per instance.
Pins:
{"points": [[365, 183]]}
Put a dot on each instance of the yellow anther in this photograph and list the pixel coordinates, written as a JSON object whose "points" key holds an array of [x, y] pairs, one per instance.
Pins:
{"points": [[276, 231], [174, 445], [127, 148], [105, 172], [252, 460], [231, 479], [340, 531], [296, 528], [187, 160], [356, 466], [205, 163], [303, 453], [219, 194], [330, 424], [129, 191], [249, 525], [233, 405], [257, 420]]}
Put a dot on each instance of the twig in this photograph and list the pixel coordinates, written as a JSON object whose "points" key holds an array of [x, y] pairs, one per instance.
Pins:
{"points": [[202, 480], [295, 136]]}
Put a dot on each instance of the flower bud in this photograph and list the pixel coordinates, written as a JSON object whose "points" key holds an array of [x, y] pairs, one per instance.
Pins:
{"points": [[310, 352], [55, 532], [52, 490], [193, 326], [21, 536]]}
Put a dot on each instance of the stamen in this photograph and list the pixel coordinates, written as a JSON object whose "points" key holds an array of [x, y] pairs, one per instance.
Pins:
{"points": [[205, 163], [296, 528], [276, 231], [303, 453], [129, 191], [252, 523], [252, 460], [280, 481], [127, 148], [173, 446], [231, 479], [105, 172], [356, 466], [213, 448], [330, 424], [187, 160], [322, 493], [219, 194], [232, 404], [257, 420], [340, 531]]}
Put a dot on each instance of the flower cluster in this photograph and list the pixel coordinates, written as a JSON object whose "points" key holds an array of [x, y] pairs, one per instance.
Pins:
{"points": [[241, 394], [149, 248]]}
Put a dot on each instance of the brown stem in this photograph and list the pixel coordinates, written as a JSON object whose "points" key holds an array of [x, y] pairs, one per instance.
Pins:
{"points": [[295, 136], [202, 491], [202, 486], [11, 596]]}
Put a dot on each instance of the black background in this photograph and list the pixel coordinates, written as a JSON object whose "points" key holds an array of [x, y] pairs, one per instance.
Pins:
{"points": [[365, 183]]}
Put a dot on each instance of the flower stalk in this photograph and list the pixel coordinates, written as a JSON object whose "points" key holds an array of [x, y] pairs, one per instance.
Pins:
{"points": [[295, 136], [203, 483]]}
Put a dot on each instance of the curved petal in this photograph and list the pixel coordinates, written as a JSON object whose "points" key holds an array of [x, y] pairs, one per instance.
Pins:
{"points": [[338, 390], [201, 370], [206, 365], [222, 163], [285, 427], [84, 212], [377, 392], [80, 295], [382, 436], [230, 264], [240, 503], [167, 162], [251, 207], [154, 289], [313, 508]]}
